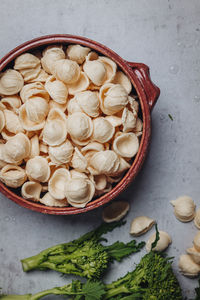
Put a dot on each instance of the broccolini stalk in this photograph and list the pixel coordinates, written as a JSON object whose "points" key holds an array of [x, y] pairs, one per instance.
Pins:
{"points": [[87, 291], [85, 256]]}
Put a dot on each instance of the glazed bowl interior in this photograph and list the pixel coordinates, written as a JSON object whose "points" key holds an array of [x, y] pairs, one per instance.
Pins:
{"points": [[144, 114]]}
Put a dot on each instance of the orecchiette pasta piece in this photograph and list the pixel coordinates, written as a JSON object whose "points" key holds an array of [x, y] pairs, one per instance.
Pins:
{"points": [[6, 135], [77, 53], [36, 109], [27, 123], [80, 85], [92, 56], [96, 71], [26, 61], [115, 211], [129, 120], [122, 79], [134, 105], [61, 154], [11, 103], [76, 174], [93, 146], [113, 98], [197, 219], [30, 74], [141, 225], [138, 127], [48, 200], [17, 148], [114, 179], [100, 182], [79, 162], [162, 243], [57, 183], [53, 104], [2, 162], [12, 122], [66, 70], [110, 66], [196, 241], [38, 169], [105, 162], [33, 89], [43, 148], [11, 82], [107, 189], [194, 254], [31, 190], [13, 176], [188, 267], [114, 120], [2, 121], [55, 129], [79, 126], [73, 106], [79, 191], [57, 90], [89, 102], [35, 149], [41, 77], [184, 208], [123, 166], [50, 55], [103, 130], [126, 145]]}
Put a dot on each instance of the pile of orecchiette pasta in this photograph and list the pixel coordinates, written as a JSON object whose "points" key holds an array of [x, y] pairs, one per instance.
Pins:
{"points": [[69, 125]]}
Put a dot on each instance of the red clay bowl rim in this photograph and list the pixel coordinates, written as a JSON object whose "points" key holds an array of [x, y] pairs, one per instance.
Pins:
{"points": [[144, 142]]}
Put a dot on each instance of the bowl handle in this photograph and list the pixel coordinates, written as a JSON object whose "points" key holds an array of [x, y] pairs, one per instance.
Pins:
{"points": [[151, 90]]}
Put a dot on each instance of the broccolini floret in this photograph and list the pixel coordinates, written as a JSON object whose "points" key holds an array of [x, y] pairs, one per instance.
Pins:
{"points": [[85, 257]]}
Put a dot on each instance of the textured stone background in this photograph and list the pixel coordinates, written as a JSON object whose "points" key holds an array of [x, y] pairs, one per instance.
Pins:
{"points": [[166, 36]]}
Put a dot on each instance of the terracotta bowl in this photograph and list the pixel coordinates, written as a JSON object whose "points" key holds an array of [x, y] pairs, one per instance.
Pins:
{"points": [[148, 94]]}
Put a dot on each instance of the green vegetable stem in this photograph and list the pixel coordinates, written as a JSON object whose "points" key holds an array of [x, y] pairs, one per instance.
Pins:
{"points": [[85, 256]]}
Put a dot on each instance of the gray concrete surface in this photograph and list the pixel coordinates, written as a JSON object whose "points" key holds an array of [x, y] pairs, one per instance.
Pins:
{"points": [[166, 36]]}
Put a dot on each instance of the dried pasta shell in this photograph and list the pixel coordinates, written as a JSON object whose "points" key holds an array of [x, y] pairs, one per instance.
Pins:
{"points": [[113, 98], [77, 53], [6, 135], [17, 148], [30, 74], [2, 121], [53, 104], [79, 126], [55, 130], [2, 162], [162, 244], [41, 77], [35, 149], [51, 54], [188, 267], [93, 146], [194, 254], [12, 122], [33, 89], [123, 166], [115, 211], [11, 103], [79, 162], [103, 130], [66, 70], [129, 120], [37, 169], [110, 66], [76, 174], [13, 176], [31, 190], [184, 208], [105, 162], [89, 103], [11, 82], [57, 183], [26, 61], [73, 106], [96, 71], [114, 120], [57, 90], [196, 241], [126, 145], [100, 182], [36, 109], [141, 225], [134, 105], [61, 154], [80, 85], [43, 148], [92, 56], [122, 79], [79, 191], [26, 123], [48, 200], [138, 127]]}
